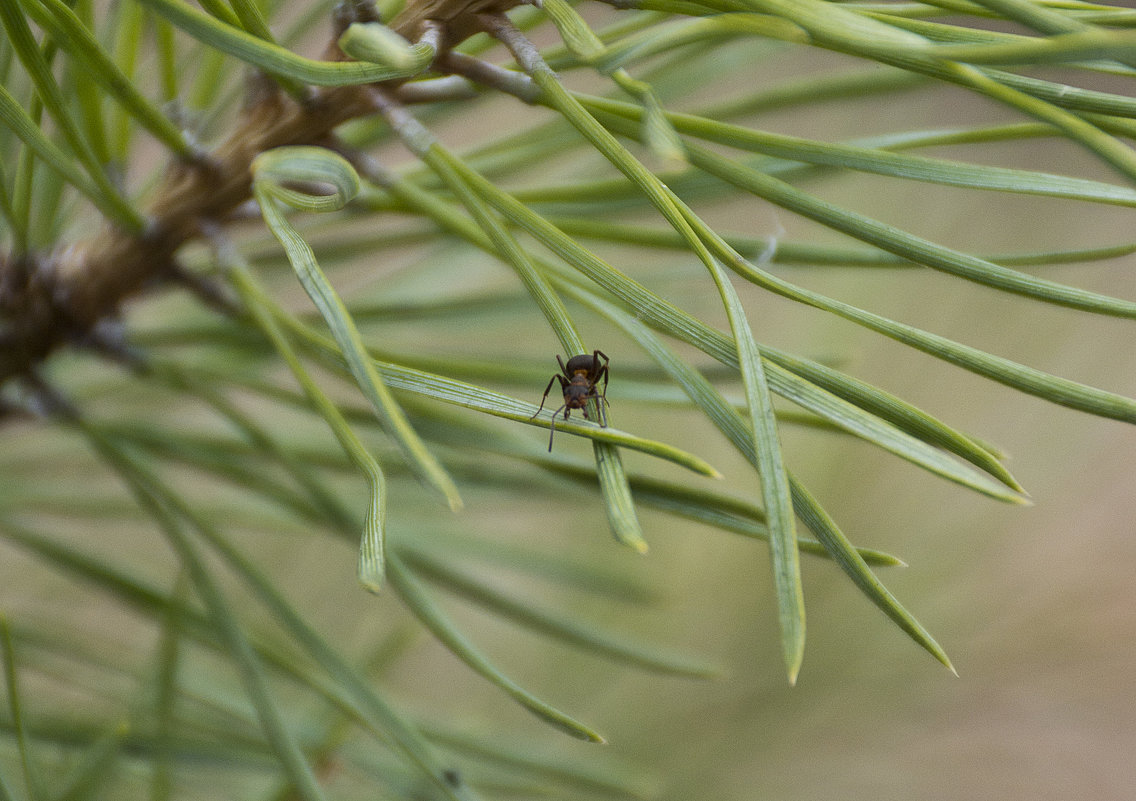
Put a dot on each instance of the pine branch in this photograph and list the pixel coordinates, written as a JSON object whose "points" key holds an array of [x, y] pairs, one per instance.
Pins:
{"points": [[48, 300]]}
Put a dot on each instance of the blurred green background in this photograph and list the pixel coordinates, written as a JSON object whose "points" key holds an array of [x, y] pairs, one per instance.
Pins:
{"points": [[1034, 604]]}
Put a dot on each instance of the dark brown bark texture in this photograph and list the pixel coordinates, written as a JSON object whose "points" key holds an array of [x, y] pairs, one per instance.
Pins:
{"points": [[52, 299]]}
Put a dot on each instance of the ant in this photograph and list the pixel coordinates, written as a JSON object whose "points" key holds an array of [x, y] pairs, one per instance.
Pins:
{"points": [[578, 379]]}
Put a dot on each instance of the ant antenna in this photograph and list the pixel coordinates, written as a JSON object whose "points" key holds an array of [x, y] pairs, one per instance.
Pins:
{"points": [[552, 427]]}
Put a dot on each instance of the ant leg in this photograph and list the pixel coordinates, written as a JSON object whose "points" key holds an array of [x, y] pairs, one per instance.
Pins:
{"points": [[601, 402], [606, 362], [542, 400], [600, 370], [552, 426], [601, 397]]}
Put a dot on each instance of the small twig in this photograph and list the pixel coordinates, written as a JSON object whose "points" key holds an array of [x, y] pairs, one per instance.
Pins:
{"points": [[47, 400], [437, 90], [348, 12], [108, 338], [481, 72], [366, 165], [433, 35], [501, 28], [210, 292], [623, 5], [413, 134]]}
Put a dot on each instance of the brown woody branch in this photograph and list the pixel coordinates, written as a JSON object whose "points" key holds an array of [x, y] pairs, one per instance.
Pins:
{"points": [[50, 300]]}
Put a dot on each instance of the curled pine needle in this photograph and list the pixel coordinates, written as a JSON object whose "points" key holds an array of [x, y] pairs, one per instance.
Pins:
{"points": [[275, 173]]}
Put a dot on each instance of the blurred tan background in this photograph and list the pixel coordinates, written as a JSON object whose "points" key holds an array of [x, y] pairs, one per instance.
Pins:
{"points": [[1036, 605]]}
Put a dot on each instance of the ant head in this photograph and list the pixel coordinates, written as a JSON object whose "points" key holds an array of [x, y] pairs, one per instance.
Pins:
{"points": [[576, 396]]}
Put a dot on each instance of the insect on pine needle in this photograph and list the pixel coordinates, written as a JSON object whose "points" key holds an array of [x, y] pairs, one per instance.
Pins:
{"points": [[578, 379]]}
